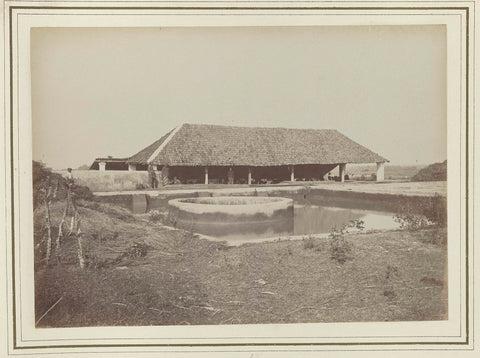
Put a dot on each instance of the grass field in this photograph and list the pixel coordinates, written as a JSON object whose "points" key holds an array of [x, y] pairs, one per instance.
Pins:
{"points": [[139, 273]]}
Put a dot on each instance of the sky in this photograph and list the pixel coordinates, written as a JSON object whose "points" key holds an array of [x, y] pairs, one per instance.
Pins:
{"points": [[113, 91]]}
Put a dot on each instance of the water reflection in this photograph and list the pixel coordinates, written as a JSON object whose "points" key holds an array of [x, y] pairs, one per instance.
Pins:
{"points": [[313, 219], [245, 231], [308, 219]]}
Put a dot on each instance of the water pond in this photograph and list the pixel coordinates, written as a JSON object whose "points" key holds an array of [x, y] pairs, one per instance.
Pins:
{"points": [[307, 219]]}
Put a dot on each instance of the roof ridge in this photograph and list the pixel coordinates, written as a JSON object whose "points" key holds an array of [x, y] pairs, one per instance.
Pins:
{"points": [[255, 127], [164, 143]]}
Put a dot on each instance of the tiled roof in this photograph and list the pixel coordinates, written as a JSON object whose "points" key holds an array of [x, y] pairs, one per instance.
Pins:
{"points": [[214, 145]]}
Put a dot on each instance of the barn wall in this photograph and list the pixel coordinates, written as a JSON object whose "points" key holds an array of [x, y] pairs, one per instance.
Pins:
{"points": [[110, 180]]}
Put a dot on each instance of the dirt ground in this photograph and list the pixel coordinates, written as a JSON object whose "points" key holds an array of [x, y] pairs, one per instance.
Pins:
{"points": [[140, 273], [430, 188]]}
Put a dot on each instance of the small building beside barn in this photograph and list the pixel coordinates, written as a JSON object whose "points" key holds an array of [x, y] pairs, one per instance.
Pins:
{"points": [[200, 153], [109, 163]]}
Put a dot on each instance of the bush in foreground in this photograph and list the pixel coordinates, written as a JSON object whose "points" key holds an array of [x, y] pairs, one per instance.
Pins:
{"points": [[43, 177], [340, 248], [424, 212]]}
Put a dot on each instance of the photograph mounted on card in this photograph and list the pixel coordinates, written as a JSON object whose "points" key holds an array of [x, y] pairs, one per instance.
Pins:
{"points": [[202, 177]]}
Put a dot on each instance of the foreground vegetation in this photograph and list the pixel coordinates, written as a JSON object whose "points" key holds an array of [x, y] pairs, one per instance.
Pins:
{"points": [[137, 272]]}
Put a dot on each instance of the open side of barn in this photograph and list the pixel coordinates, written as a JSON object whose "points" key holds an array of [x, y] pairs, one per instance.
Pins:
{"points": [[199, 153]]}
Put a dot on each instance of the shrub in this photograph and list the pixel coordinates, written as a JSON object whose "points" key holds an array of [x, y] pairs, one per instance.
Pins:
{"points": [[421, 213], [436, 210], [43, 177], [340, 248], [154, 216], [170, 219], [138, 249], [82, 192], [392, 275], [411, 221], [308, 243]]}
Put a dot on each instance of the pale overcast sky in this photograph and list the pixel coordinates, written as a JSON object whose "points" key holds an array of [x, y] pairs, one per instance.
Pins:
{"points": [[99, 92]]}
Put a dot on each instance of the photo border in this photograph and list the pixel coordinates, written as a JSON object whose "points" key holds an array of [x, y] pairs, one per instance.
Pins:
{"points": [[468, 44]]}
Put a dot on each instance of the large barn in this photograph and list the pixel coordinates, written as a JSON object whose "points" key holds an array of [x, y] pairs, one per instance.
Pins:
{"points": [[200, 153]]}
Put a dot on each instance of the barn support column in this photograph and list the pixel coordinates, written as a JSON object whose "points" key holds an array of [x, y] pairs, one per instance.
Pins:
{"points": [[380, 171], [132, 167], [292, 173], [102, 166], [206, 175], [230, 176], [341, 171], [249, 176]]}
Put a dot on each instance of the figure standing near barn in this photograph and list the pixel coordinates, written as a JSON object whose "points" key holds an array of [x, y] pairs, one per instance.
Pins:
{"points": [[69, 177], [153, 177]]}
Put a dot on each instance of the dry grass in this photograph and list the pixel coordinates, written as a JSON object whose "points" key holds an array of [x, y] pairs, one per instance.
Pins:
{"points": [[141, 274]]}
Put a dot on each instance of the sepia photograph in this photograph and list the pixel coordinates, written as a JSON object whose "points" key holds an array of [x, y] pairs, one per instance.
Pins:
{"points": [[239, 175], [246, 178]]}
